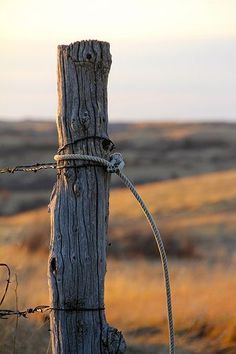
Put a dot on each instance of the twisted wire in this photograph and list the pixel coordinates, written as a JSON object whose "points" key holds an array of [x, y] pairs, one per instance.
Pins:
{"points": [[29, 168], [5, 314]]}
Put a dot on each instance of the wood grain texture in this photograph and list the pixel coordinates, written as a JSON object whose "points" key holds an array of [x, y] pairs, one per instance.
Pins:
{"points": [[79, 205]]}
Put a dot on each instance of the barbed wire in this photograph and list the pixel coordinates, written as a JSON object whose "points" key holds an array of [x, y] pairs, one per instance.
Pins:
{"points": [[107, 144], [42, 166], [6, 313], [29, 168]]}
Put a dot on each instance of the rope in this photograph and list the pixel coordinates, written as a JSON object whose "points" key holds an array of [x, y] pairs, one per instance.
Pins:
{"points": [[115, 165]]}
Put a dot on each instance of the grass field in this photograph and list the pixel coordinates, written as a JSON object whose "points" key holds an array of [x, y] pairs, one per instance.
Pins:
{"points": [[203, 298], [196, 216], [152, 152]]}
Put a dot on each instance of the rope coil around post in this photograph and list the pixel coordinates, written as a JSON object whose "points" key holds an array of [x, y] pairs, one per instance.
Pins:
{"points": [[115, 165]]}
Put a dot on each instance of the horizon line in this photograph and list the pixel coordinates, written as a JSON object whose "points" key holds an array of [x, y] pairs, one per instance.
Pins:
{"points": [[13, 119]]}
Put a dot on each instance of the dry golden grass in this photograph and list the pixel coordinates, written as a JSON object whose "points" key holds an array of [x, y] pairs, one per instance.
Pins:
{"points": [[189, 195], [200, 209], [203, 300], [195, 215], [188, 208]]}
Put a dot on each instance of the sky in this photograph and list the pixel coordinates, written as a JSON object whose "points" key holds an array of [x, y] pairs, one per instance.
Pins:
{"points": [[172, 59]]}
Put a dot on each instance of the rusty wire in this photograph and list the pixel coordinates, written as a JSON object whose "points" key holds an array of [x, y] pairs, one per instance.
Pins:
{"points": [[6, 313], [41, 166], [29, 168], [106, 142], [3, 265]]}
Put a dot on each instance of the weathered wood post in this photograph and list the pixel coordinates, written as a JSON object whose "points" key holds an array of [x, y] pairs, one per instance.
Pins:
{"points": [[79, 206]]}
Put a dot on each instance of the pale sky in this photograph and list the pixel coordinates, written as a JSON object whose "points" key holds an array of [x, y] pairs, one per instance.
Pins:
{"points": [[172, 59]]}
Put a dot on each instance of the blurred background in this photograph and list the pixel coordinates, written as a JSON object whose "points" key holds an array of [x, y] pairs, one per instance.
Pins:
{"points": [[172, 115]]}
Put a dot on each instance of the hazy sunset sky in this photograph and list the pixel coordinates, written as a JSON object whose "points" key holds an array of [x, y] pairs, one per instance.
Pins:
{"points": [[171, 58]]}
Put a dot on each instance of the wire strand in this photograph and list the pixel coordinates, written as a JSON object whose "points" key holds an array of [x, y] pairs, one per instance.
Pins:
{"points": [[29, 168]]}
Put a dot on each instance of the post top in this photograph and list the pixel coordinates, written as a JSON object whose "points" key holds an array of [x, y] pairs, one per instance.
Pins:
{"points": [[84, 42], [88, 52], [83, 69]]}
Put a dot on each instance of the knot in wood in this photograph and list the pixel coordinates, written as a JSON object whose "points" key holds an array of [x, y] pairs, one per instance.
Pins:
{"points": [[85, 120]]}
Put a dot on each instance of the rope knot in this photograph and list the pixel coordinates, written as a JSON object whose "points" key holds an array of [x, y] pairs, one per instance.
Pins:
{"points": [[116, 163]]}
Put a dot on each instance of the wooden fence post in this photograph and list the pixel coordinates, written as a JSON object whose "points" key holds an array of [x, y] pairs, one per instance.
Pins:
{"points": [[79, 206]]}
